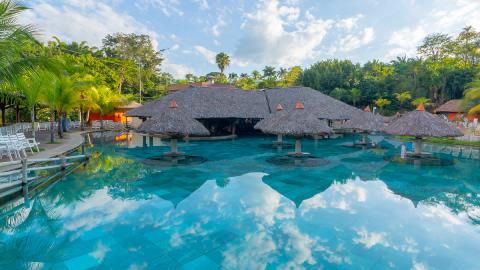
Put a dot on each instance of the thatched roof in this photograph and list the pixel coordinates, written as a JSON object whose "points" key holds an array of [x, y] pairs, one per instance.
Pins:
{"points": [[364, 122], [210, 102], [454, 106], [129, 106], [173, 122], [297, 122], [227, 102], [420, 123], [317, 103]]}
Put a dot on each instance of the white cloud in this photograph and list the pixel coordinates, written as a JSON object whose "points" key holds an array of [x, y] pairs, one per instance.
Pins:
{"points": [[167, 7], [216, 28], [405, 41], [352, 42], [450, 20], [370, 239], [203, 4], [349, 23], [206, 53], [177, 70], [274, 35], [87, 21]]}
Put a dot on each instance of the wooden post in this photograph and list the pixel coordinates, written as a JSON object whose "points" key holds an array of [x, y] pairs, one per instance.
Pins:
{"points": [[173, 145], [298, 146], [63, 164], [144, 141], [150, 141], [418, 147], [24, 178]]}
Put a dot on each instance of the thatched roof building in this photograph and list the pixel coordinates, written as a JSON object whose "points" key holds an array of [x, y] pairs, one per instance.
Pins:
{"points": [[173, 122], [298, 123], [364, 122], [420, 123], [218, 102], [209, 102], [320, 105]]}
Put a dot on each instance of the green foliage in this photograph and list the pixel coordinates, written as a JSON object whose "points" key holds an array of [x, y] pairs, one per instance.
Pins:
{"points": [[223, 61], [422, 101]]}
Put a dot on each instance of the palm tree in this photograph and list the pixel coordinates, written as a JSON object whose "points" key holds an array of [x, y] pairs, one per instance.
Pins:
{"points": [[31, 85], [356, 94], [256, 75], [382, 102], [12, 38], [223, 61], [471, 99], [403, 97], [60, 98], [106, 101], [85, 88], [422, 101]]}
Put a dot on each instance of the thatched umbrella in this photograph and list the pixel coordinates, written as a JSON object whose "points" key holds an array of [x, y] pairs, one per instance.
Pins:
{"points": [[297, 123], [264, 123], [174, 123], [364, 123], [420, 124]]}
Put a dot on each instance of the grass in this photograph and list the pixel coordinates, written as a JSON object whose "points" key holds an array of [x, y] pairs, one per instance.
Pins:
{"points": [[447, 141]]}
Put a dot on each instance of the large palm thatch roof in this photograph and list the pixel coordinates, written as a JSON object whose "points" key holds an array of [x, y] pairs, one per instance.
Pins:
{"points": [[173, 122], [364, 122], [317, 103], [420, 123], [223, 102], [298, 122], [210, 102]]}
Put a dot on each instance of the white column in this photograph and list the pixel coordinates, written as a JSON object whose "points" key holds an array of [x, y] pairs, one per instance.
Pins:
{"points": [[173, 145], [418, 146], [279, 138], [364, 138], [298, 146]]}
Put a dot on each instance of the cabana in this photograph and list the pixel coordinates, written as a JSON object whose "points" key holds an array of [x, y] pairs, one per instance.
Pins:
{"points": [[174, 123], [264, 123], [364, 123], [229, 110], [297, 123], [420, 124]]}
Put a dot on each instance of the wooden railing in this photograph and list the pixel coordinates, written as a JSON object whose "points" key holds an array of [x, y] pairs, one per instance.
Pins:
{"points": [[17, 178]]}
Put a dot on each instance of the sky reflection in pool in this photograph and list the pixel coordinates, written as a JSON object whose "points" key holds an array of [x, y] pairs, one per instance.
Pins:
{"points": [[237, 211]]}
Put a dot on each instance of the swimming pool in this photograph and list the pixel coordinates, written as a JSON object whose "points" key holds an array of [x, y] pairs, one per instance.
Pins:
{"points": [[239, 211]]}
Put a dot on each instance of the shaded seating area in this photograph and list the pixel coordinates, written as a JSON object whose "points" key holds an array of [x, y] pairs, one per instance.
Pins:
{"points": [[364, 123], [420, 124], [174, 124]]}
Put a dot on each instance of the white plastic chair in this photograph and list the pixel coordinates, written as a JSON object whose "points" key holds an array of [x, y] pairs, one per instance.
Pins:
{"points": [[28, 142], [17, 146]]}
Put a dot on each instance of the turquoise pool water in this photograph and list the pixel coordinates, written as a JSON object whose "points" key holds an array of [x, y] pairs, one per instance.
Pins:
{"points": [[238, 211]]}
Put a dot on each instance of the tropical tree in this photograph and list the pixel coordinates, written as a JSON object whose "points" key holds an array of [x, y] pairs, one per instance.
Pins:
{"points": [[12, 38], [32, 84], [60, 99], [471, 98], [84, 86], [355, 95], [223, 61], [403, 97], [382, 103], [256, 75], [422, 101], [106, 101]]}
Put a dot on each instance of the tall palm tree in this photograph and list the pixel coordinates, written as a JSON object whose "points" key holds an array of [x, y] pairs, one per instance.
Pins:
{"points": [[31, 85], [86, 91], [223, 61], [60, 98]]}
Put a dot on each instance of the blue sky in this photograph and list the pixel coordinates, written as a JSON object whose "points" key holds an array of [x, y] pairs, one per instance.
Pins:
{"points": [[281, 33]]}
